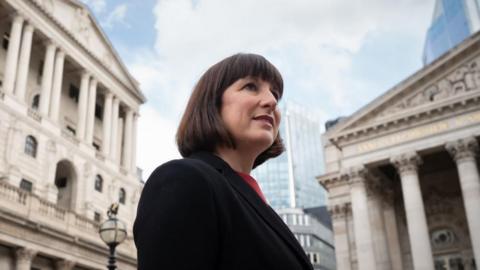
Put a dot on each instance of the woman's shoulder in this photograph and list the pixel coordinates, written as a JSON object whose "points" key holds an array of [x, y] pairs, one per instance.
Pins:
{"points": [[186, 169]]}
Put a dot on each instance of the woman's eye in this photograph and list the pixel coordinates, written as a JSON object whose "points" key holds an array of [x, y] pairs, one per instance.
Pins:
{"points": [[275, 94], [250, 86]]}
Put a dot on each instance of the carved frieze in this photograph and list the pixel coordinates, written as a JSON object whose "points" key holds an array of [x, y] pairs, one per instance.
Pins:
{"points": [[464, 79]]}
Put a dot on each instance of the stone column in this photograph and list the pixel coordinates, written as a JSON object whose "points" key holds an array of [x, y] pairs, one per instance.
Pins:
{"points": [[11, 62], [114, 131], [407, 167], [24, 258], [464, 152], [338, 214], [391, 229], [57, 85], [107, 123], [92, 98], [379, 237], [47, 77], [127, 142], [82, 105], [133, 164], [64, 265], [24, 62], [361, 221], [118, 146]]}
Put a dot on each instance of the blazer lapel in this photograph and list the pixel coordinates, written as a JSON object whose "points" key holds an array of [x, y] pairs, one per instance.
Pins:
{"points": [[263, 210]]}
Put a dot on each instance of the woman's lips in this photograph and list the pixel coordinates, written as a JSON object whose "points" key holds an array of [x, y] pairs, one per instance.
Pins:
{"points": [[267, 118]]}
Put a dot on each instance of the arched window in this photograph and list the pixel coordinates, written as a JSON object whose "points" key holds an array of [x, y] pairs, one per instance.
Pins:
{"points": [[31, 146], [36, 102], [122, 196], [98, 183]]}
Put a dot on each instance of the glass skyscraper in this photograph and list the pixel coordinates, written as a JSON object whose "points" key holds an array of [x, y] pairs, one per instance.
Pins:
{"points": [[288, 181], [453, 21]]}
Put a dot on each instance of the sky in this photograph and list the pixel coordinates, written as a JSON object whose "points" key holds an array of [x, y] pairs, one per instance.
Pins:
{"points": [[335, 56]]}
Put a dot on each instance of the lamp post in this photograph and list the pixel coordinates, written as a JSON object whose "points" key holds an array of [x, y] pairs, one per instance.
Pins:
{"points": [[113, 232]]}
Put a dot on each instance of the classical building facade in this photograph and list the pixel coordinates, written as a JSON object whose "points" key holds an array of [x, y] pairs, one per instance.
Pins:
{"points": [[402, 172], [68, 118]]}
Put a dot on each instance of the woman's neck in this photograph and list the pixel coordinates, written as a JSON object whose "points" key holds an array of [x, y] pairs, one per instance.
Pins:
{"points": [[240, 161]]}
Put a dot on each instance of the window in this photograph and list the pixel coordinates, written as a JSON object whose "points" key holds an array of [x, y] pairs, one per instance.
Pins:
{"points": [[40, 72], [97, 217], [26, 185], [36, 102], [98, 111], [122, 196], [61, 182], [96, 146], [98, 183], [73, 92], [30, 146], [71, 130], [6, 40]]}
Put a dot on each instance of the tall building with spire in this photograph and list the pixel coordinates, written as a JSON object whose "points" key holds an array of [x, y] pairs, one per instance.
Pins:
{"points": [[453, 21]]}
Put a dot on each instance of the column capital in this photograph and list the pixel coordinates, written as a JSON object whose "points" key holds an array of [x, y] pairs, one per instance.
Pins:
{"points": [[25, 254], [85, 73], [355, 175], [49, 43], [407, 162], [463, 149], [17, 17], [64, 264], [341, 210], [29, 27]]}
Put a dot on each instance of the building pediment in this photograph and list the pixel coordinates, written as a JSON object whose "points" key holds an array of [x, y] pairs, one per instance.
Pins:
{"points": [[76, 18], [452, 82]]}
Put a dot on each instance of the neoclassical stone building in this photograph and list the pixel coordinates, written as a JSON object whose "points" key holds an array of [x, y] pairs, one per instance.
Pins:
{"points": [[68, 120], [402, 172]]}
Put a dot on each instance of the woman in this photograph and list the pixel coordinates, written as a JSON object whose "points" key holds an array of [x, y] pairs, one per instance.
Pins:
{"points": [[205, 211]]}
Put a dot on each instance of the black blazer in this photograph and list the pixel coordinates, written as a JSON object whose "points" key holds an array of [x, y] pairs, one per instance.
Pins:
{"points": [[197, 213]]}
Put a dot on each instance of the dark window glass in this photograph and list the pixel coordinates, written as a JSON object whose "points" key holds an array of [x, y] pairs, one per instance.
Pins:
{"points": [[98, 111], [6, 40], [122, 196], [96, 146], [61, 182], [30, 146], [98, 183], [97, 217], [36, 102], [71, 130], [26, 185], [73, 92]]}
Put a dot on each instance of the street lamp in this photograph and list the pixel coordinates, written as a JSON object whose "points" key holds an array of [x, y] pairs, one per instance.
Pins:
{"points": [[112, 232]]}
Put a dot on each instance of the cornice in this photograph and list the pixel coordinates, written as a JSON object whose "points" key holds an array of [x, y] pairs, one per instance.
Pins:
{"points": [[331, 180], [409, 118], [341, 210], [88, 52]]}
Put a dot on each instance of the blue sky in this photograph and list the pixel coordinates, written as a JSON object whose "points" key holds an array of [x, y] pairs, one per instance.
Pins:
{"points": [[335, 55]]}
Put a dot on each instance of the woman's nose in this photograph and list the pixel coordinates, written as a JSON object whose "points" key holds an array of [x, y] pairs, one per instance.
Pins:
{"points": [[268, 99]]}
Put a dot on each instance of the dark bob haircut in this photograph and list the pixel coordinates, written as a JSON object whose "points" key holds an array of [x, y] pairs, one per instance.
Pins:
{"points": [[201, 127]]}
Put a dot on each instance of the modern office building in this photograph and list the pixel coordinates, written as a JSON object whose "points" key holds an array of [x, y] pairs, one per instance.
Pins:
{"points": [[403, 171], [290, 186], [313, 230], [68, 117], [288, 181], [452, 22]]}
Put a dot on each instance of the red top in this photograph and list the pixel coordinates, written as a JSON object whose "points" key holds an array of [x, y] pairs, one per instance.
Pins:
{"points": [[253, 184]]}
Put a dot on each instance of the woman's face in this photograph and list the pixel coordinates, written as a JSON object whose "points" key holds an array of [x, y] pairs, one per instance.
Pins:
{"points": [[249, 112]]}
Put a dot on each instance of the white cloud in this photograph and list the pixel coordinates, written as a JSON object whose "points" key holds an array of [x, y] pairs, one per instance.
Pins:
{"points": [[155, 139], [312, 42], [96, 5], [117, 15]]}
